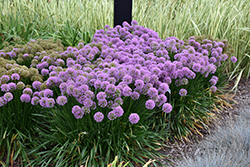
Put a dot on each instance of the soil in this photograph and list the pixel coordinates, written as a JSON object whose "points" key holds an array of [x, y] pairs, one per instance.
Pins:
{"points": [[179, 149]]}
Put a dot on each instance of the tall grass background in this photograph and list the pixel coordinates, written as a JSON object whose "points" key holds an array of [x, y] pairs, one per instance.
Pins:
{"points": [[72, 20]]}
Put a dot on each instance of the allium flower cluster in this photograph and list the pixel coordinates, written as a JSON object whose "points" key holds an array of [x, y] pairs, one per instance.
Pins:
{"points": [[122, 62], [134, 118]]}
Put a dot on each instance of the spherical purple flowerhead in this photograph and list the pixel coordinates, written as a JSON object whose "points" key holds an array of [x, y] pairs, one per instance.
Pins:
{"points": [[101, 95], [212, 60], [213, 81], [15, 76], [28, 91], [161, 99], [5, 78], [35, 100], [88, 102], [163, 88], [183, 92], [127, 79], [134, 118], [233, 59], [25, 98], [118, 100], [36, 85], [150, 104], [12, 86], [127, 91], [102, 103], [2, 101], [8, 96], [196, 67], [50, 102], [77, 111], [45, 72], [139, 84], [112, 116], [61, 100], [135, 95], [5, 88], [213, 88], [98, 117], [118, 111], [48, 93], [152, 92], [167, 108], [43, 102], [110, 89]]}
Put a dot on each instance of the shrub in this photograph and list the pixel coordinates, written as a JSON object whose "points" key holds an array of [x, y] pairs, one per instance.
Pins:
{"points": [[105, 98]]}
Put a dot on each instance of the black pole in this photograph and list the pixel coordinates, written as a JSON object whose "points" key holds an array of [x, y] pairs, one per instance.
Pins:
{"points": [[122, 11]]}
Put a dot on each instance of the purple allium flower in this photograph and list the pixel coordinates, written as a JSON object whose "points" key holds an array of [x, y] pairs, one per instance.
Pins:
{"points": [[70, 90], [110, 89], [5, 88], [134, 118], [101, 95], [88, 102], [118, 111], [43, 102], [28, 91], [25, 98], [139, 83], [15, 77], [50, 102], [212, 60], [213, 88], [167, 108], [127, 79], [135, 95], [163, 87], [8, 96], [118, 100], [48, 93], [90, 94], [61, 100], [3, 101], [63, 87], [127, 91], [97, 84], [98, 117], [150, 104], [45, 72], [213, 81], [112, 116], [35, 100], [53, 81], [224, 57], [152, 92], [52, 73], [77, 111], [184, 81], [183, 92], [196, 67], [5, 78], [102, 103], [12, 86], [20, 85], [233, 59], [36, 85], [80, 80], [162, 99], [63, 75]]}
